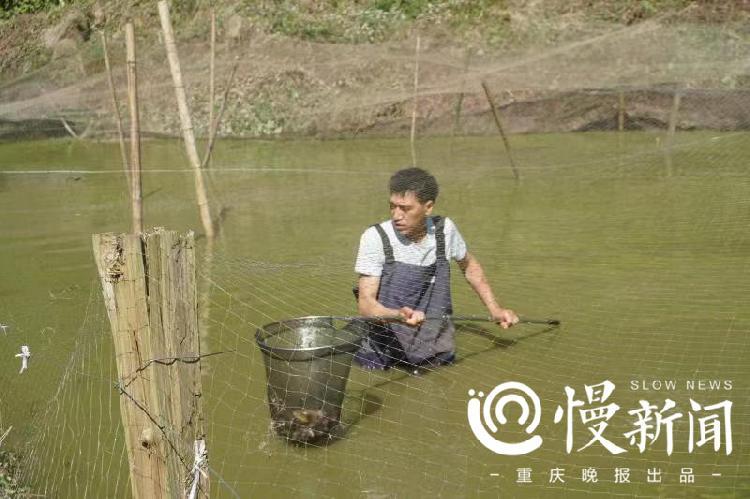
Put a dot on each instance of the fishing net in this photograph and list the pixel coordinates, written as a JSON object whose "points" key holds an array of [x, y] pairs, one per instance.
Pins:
{"points": [[633, 234], [600, 77]]}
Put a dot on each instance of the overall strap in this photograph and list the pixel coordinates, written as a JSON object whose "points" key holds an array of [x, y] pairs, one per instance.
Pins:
{"points": [[439, 223], [387, 248]]}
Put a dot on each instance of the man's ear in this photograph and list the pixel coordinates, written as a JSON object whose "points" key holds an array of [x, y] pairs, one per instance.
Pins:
{"points": [[429, 205]]}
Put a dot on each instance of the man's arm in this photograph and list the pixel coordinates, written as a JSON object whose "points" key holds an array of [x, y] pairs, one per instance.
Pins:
{"points": [[369, 305], [475, 276]]}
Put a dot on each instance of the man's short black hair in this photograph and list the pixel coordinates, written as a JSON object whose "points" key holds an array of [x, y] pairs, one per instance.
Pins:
{"points": [[415, 180]]}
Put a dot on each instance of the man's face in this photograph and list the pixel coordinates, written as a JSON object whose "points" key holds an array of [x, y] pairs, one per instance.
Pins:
{"points": [[408, 214]]}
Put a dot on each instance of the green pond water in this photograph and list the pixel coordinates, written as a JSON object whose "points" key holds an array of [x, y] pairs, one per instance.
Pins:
{"points": [[645, 259]]}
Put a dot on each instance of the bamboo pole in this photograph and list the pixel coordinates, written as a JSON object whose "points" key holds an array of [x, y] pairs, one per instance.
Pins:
{"points": [[149, 287], [414, 109], [68, 128], [215, 124], [672, 128], [211, 82], [499, 126], [460, 98], [116, 109], [136, 200], [187, 125], [673, 115]]}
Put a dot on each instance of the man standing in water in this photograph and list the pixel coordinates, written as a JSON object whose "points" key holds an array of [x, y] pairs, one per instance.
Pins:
{"points": [[404, 271]]}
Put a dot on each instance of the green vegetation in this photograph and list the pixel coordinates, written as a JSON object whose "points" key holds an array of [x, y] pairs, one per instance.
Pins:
{"points": [[339, 21], [9, 487], [59, 43], [10, 8], [370, 21]]}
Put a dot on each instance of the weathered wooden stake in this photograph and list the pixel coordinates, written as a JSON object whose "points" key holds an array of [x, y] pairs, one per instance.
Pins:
{"points": [[211, 82], [499, 125], [136, 200], [148, 282], [116, 109], [187, 125], [414, 109]]}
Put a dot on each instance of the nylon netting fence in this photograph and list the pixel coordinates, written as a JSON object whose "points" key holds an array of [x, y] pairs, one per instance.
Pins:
{"points": [[287, 88], [636, 240]]}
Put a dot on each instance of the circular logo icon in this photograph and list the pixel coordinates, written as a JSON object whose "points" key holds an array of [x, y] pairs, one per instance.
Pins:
{"points": [[486, 413]]}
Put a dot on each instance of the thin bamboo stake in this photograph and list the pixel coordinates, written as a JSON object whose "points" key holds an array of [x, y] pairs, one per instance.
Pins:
{"points": [[669, 143], [88, 129], [187, 125], [211, 89], [460, 99], [620, 125], [116, 108], [414, 110], [5, 435], [69, 129], [673, 115], [215, 124], [499, 125], [135, 132]]}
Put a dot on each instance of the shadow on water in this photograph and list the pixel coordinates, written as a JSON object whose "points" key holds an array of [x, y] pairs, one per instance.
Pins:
{"points": [[498, 341], [370, 404]]}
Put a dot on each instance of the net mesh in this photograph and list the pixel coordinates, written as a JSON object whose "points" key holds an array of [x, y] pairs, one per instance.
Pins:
{"points": [[284, 87], [636, 240]]}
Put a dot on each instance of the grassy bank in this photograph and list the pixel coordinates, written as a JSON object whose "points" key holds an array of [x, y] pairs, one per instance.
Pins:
{"points": [[333, 68], [483, 24]]}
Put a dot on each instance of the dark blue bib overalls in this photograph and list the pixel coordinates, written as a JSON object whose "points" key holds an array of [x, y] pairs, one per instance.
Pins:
{"points": [[420, 288]]}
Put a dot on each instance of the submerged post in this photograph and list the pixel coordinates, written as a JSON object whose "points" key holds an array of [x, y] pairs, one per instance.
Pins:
{"points": [[499, 126], [148, 282]]}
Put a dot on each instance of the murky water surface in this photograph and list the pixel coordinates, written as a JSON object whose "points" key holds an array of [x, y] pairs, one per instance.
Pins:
{"points": [[646, 262]]}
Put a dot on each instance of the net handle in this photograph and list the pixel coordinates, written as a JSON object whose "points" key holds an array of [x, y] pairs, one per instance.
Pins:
{"points": [[466, 318]]}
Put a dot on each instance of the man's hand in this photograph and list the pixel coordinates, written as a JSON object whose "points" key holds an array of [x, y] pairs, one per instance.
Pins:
{"points": [[505, 317], [411, 317]]}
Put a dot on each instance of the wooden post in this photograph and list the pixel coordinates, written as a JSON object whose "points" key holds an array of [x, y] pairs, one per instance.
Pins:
{"points": [[148, 282], [414, 109], [187, 125], [211, 89], [499, 125], [116, 109], [669, 142], [621, 111], [136, 201]]}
